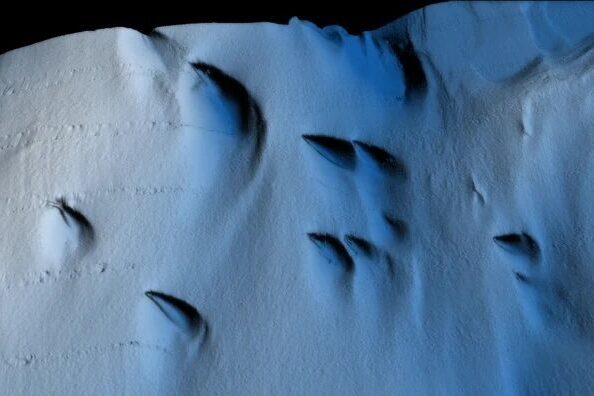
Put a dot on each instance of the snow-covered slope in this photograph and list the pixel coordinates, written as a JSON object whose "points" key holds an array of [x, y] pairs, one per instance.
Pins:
{"points": [[258, 209]]}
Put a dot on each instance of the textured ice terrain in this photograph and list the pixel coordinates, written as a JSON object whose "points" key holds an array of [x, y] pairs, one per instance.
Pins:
{"points": [[273, 210]]}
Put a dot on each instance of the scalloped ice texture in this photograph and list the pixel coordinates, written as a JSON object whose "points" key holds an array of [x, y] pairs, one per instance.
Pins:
{"points": [[283, 209]]}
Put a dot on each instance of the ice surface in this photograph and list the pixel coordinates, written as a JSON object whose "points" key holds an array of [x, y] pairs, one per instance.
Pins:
{"points": [[256, 209]]}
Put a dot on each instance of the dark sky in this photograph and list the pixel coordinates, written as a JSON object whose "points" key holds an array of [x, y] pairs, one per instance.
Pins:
{"points": [[19, 29]]}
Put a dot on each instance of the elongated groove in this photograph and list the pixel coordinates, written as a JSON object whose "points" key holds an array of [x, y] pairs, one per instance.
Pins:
{"points": [[338, 151], [360, 246], [399, 227], [70, 215], [385, 161], [332, 249], [411, 66], [521, 277], [518, 245], [230, 87], [251, 116], [180, 313]]}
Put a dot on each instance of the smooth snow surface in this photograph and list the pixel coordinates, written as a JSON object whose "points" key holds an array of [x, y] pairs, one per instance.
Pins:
{"points": [[259, 209]]}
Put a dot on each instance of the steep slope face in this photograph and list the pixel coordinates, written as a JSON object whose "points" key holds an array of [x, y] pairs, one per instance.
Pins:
{"points": [[265, 209]]}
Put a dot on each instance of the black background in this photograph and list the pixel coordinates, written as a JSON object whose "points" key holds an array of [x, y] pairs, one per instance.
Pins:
{"points": [[28, 26]]}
